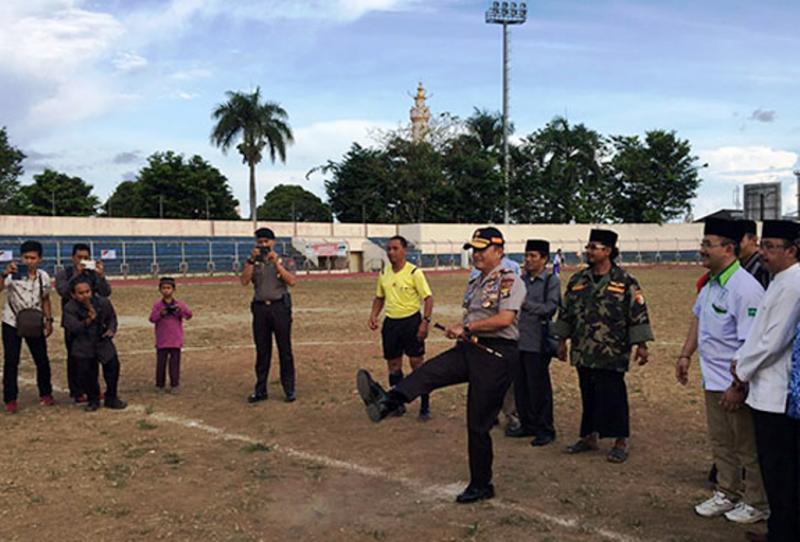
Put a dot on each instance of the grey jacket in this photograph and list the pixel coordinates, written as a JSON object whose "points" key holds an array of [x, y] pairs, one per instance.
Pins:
{"points": [[87, 340], [537, 308]]}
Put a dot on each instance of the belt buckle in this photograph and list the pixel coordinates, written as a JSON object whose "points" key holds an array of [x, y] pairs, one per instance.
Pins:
{"points": [[267, 302]]}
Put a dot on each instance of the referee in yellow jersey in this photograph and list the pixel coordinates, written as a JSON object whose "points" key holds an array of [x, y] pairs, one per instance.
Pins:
{"points": [[402, 288]]}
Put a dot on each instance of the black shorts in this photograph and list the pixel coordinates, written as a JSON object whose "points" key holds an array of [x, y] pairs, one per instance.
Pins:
{"points": [[400, 337]]}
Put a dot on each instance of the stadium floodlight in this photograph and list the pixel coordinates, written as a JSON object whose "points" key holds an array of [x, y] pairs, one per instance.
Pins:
{"points": [[506, 13]]}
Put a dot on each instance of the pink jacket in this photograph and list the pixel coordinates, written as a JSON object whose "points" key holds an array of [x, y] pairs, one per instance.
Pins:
{"points": [[169, 327]]}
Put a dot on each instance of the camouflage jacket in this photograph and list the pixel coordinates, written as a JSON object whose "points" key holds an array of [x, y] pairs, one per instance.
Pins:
{"points": [[603, 320]]}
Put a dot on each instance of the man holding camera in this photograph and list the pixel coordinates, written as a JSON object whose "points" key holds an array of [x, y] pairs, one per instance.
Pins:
{"points": [[94, 272], [272, 313]]}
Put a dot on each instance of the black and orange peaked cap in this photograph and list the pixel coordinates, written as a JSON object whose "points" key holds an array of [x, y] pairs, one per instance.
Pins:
{"points": [[484, 237]]}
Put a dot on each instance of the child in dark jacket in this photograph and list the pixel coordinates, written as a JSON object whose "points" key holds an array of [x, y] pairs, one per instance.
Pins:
{"points": [[168, 315], [92, 323]]}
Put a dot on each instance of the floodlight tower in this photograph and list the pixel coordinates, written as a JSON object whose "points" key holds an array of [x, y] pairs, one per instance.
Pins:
{"points": [[506, 13], [797, 174]]}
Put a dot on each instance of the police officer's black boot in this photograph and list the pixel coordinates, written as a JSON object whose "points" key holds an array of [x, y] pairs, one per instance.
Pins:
{"points": [[379, 403]]}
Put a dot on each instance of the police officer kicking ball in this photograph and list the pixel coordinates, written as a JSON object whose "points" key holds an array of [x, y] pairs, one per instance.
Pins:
{"points": [[486, 345]]}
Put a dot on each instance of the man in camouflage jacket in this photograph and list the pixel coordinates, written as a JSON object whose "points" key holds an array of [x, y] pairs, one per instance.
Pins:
{"points": [[604, 316]]}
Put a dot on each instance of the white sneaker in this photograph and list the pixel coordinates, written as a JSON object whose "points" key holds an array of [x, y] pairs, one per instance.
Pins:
{"points": [[717, 505], [744, 513]]}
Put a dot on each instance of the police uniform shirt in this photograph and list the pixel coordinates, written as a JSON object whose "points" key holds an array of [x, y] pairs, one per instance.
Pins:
{"points": [[268, 284], [499, 290], [726, 309], [403, 291]]}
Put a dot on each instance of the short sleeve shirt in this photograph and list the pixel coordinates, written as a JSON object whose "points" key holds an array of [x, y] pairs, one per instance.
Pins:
{"points": [[725, 308], [268, 285], [403, 291], [26, 293], [499, 290]]}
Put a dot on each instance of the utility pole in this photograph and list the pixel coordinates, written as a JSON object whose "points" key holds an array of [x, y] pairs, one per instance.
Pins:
{"points": [[53, 201], [160, 206], [208, 209], [506, 13]]}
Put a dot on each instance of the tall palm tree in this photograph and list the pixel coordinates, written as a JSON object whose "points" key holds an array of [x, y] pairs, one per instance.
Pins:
{"points": [[244, 117]]}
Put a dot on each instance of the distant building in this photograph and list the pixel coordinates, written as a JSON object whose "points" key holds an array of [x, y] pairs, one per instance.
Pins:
{"points": [[724, 214], [762, 201], [420, 116]]}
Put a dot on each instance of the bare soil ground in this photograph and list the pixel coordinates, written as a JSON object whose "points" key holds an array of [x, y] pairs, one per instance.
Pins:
{"points": [[205, 465]]}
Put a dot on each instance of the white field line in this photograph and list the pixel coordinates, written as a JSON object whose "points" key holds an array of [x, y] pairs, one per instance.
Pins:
{"points": [[436, 491]]}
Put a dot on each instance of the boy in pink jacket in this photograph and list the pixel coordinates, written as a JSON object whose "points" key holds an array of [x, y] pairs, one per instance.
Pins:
{"points": [[168, 315]]}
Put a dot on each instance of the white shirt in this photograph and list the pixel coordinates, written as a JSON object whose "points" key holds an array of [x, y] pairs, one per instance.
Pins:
{"points": [[726, 309], [24, 294], [765, 359]]}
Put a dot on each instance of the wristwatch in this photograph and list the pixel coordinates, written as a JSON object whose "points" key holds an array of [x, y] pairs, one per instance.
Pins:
{"points": [[427, 319]]}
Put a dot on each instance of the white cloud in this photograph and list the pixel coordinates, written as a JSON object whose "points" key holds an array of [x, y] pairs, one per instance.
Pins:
{"points": [[128, 61], [183, 95], [749, 164]]}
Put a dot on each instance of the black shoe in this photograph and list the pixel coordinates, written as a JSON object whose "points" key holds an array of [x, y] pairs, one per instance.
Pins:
{"points": [[291, 397], [475, 494], [519, 432], [92, 406], [542, 440], [375, 398], [115, 403], [257, 397], [424, 416]]}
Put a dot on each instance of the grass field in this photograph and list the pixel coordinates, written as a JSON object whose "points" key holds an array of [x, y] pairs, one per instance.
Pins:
{"points": [[205, 465]]}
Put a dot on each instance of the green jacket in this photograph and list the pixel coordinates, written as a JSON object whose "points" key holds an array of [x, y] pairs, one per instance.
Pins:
{"points": [[603, 320]]}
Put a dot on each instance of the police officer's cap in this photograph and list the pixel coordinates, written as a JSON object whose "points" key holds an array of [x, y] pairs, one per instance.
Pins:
{"points": [[780, 229], [483, 237], [604, 237], [537, 245], [748, 226], [265, 233], [730, 229]]}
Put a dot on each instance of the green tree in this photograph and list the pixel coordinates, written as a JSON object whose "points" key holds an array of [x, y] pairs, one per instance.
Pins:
{"points": [[562, 176], [257, 124], [176, 187], [418, 189], [54, 193], [475, 181], [655, 179], [292, 202], [359, 185], [10, 169]]}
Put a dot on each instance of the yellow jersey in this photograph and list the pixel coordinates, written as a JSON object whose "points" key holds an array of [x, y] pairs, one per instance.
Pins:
{"points": [[403, 291]]}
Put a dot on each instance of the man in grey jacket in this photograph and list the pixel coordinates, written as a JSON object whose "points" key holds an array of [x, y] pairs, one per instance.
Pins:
{"points": [[92, 323], [531, 372]]}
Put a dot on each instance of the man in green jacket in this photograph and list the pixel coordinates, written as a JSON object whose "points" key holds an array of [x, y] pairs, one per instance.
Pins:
{"points": [[604, 316]]}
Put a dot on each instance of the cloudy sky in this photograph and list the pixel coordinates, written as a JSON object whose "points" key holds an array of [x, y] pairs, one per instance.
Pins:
{"points": [[92, 87]]}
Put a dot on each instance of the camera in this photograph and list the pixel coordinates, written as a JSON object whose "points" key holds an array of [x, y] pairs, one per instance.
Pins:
{"points": [[171, 309], [21, 273], [91, 265], [263, 252]]}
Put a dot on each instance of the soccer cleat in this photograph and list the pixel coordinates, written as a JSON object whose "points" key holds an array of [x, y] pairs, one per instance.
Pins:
{"points": [[47, 400], [745, 514], [717, 505]]}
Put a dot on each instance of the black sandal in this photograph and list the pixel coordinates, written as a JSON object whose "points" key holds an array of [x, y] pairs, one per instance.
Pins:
{"points": [[581, 446], [617, 455]]}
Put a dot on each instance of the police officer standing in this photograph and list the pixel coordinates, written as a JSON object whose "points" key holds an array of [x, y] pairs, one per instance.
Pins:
{"points": [[487, 344], [272, 313], [604, 316]]}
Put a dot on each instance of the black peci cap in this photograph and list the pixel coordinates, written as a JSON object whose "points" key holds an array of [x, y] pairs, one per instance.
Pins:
{"points": [[483, 237], [748, 226], [537, 245], [265, 233], [604, 237], [730, 229], [780, 229]]}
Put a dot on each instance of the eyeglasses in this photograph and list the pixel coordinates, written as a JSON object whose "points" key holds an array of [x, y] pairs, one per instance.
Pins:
{"points": [[594, 246], [766, 245]]}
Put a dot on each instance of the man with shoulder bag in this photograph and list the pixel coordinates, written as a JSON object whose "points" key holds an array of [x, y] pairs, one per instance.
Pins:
{"points": [[531, 372], [27, 316]]}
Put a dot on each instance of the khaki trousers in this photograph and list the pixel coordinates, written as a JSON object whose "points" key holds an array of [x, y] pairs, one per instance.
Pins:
{"points": [[733, 445]]}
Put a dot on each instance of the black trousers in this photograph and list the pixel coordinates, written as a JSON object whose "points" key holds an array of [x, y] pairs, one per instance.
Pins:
{"points": [[488, 378], [275, 318], [604, 398], [88, 371], [12, 348], [778, 444], [74, 375], [533, 392]]}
